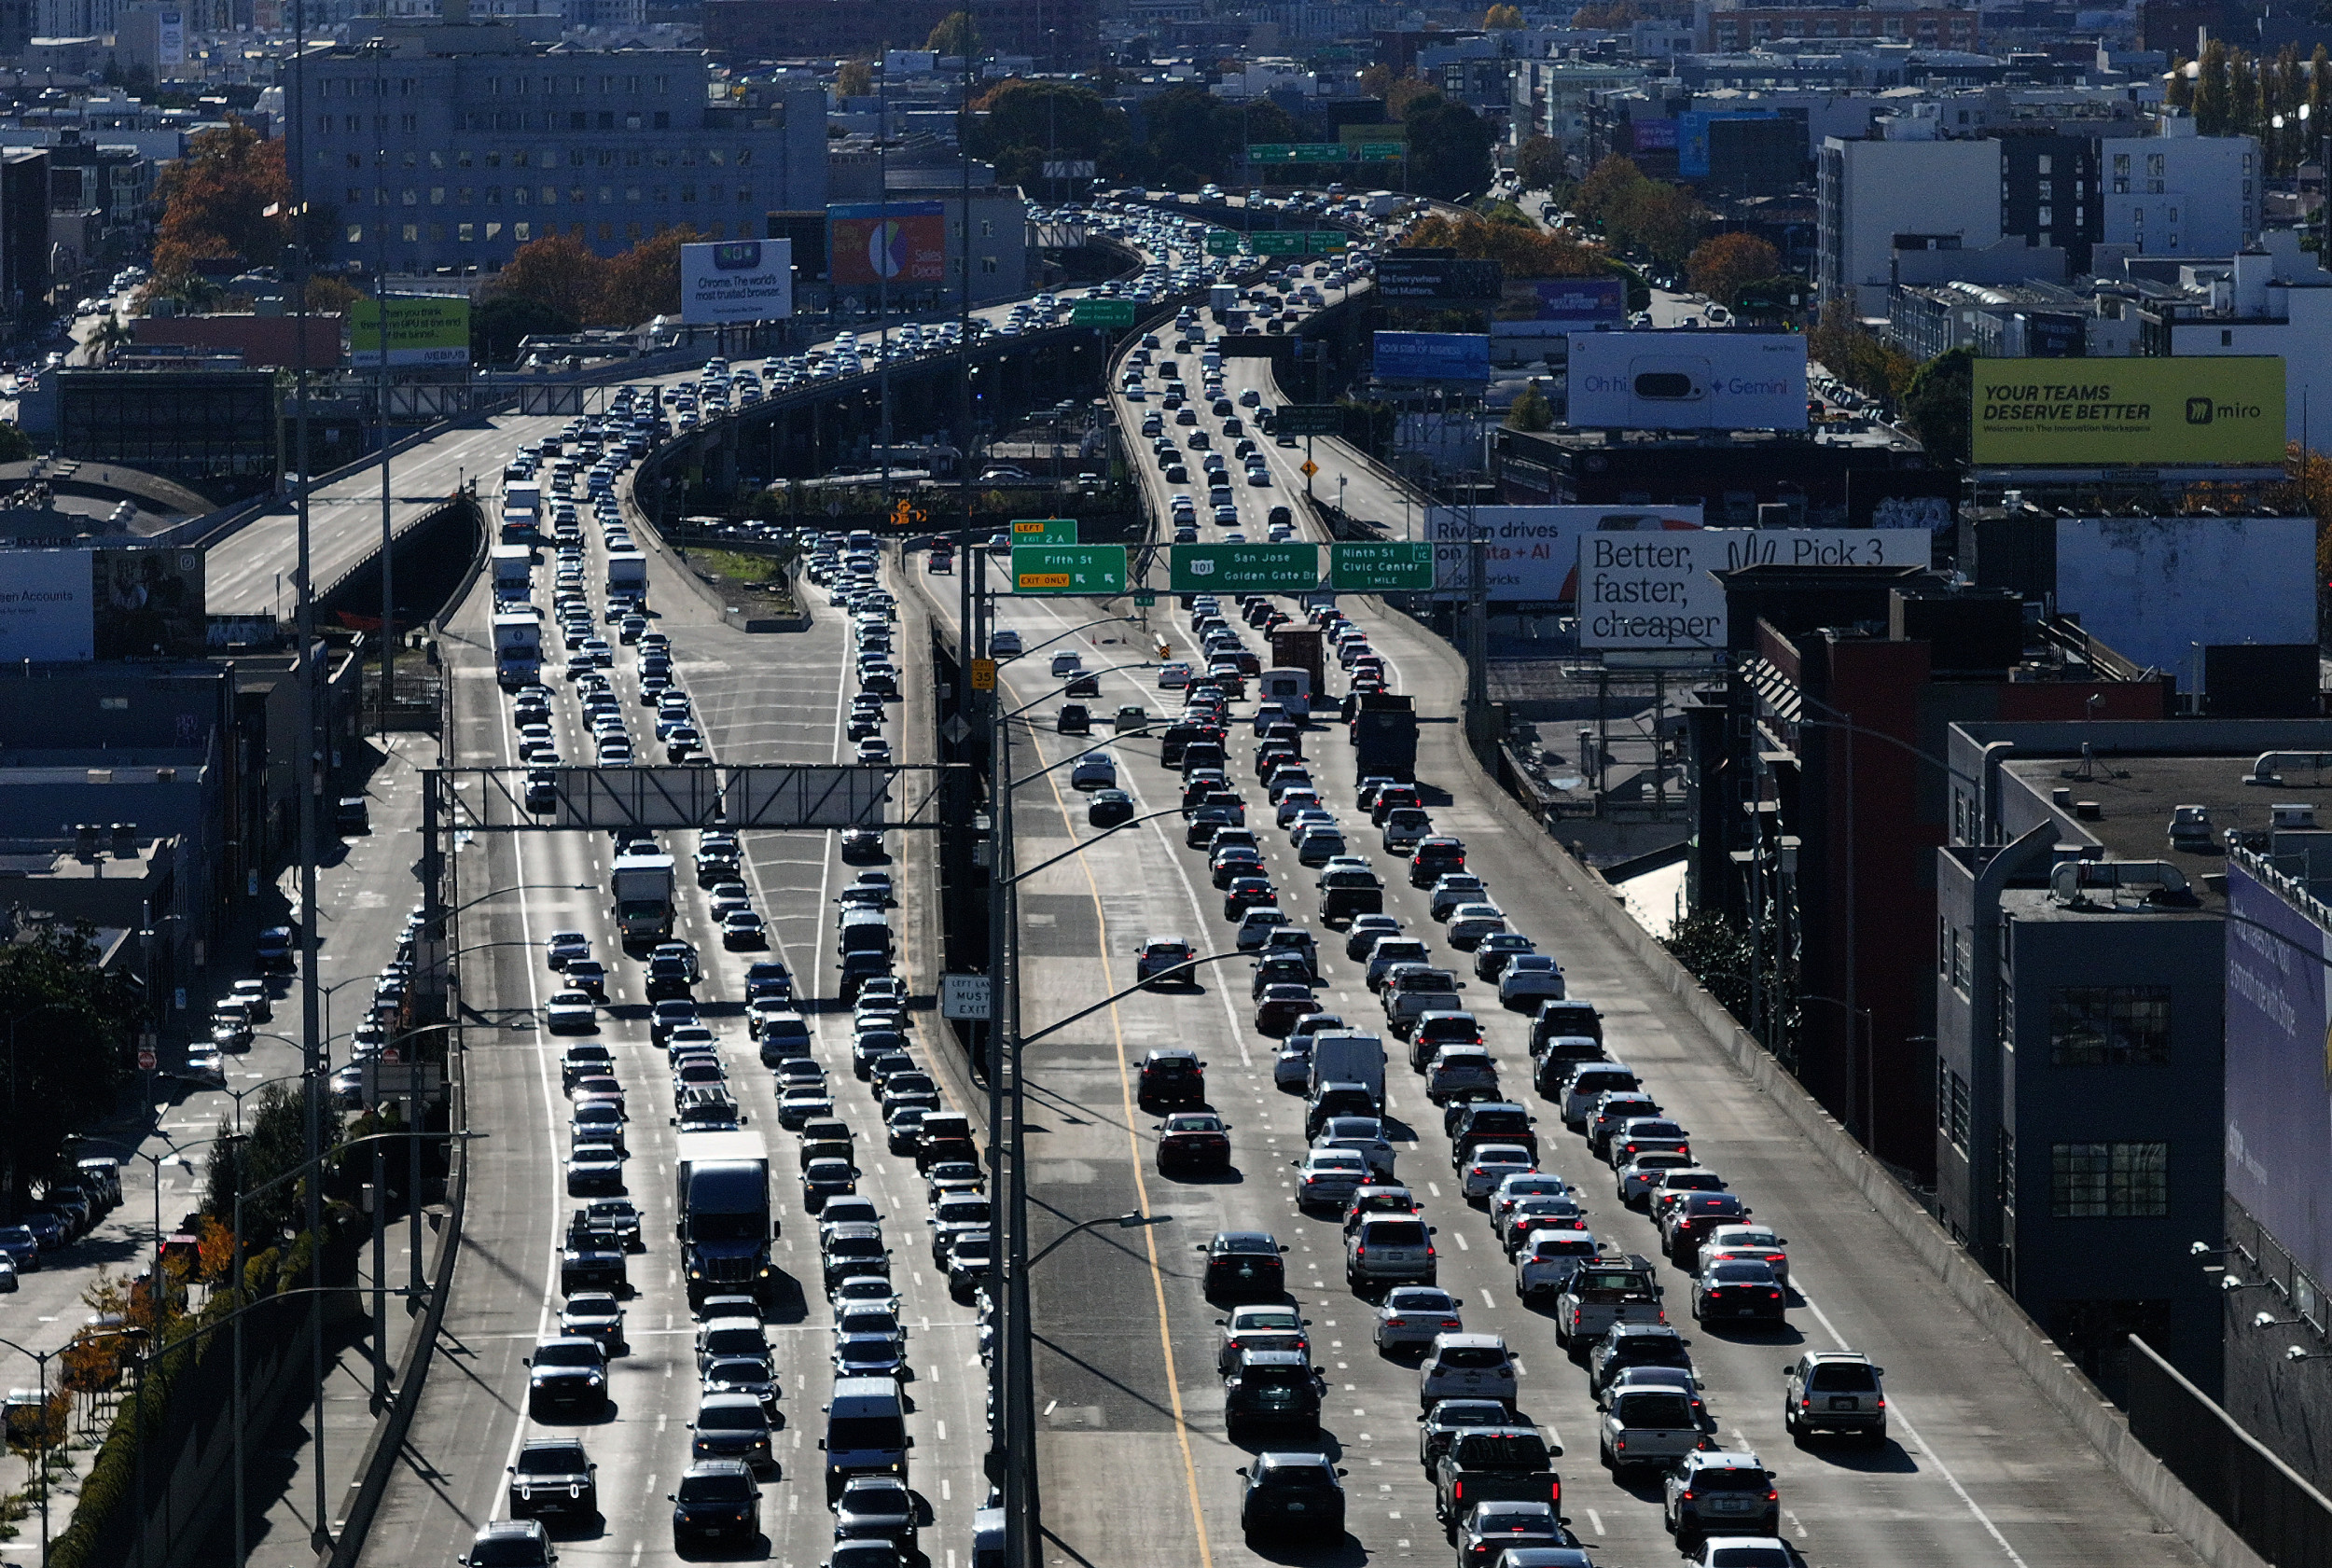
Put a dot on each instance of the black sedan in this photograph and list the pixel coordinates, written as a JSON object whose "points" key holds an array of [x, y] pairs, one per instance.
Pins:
{"points": [[1193, 1141], [1245, 1266]]}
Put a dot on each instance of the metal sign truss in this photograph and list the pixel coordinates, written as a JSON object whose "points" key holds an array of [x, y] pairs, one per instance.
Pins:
{"points": [[767, 797]]}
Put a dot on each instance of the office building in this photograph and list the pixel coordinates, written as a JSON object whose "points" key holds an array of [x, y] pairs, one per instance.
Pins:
{"points": [[447, 147], [1873, 191]]}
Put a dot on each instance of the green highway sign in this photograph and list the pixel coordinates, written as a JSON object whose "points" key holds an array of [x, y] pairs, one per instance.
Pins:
{"points": [[1243, 568], [1391, 567], [1101, 313], [1045, 531], [1381, 152], [1287, 242], [1077, 569], [1221, 242], [1321, 241], [1297, 152], [1144, 600], [1309, 419]]}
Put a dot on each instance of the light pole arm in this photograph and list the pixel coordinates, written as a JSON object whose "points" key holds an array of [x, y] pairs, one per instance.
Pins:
{"points": [[1084, 845], [1035, 701], [1124, 1222], [1106, 620], [1108, 1001]]}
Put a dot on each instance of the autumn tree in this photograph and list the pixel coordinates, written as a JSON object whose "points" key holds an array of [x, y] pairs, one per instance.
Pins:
{"points": [[955, 36], [856, 79], [644, 280], [222, 202], [557, 272], [1721, 264], [1538, 163], [331, 296], [1523, 251], [1499, 17], [1531, 411], [1851, 352]]}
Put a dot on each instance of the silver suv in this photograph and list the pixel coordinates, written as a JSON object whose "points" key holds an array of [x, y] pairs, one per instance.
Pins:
{"points": [[1389, 1249], [1834, 1391]]}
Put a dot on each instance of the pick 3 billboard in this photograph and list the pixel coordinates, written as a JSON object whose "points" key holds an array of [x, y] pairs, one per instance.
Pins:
{"points": [[736, 280], [905, 242], [424, 329], [2144, 411], [67, 606], [1687, 380], [1660, 591]]}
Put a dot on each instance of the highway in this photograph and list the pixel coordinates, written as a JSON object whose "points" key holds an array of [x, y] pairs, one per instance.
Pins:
{"points": [[1136, 1463]]}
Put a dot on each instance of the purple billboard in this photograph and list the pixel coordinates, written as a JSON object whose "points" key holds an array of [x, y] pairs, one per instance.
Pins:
{"points": [[2278, 1068]]}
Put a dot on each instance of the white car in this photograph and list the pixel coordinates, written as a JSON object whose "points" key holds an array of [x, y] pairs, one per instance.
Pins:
{"points": [[1292, 1069], [1470, 923], [1326, 1177], [1547, 1259], [1749, 1242], [1174, 676], [1065, 664], [8, 1275], [1363, 1135], [1494, 1163], [571, 1011], [205, 1065], [1416, 1315], [1531, 977]]}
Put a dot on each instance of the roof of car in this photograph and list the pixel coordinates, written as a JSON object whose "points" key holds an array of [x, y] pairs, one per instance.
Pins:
{"points": [[1245, 1241], [1469, 1341]]}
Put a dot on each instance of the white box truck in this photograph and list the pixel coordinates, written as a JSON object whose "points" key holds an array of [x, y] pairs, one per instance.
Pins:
{"points": [[514, 572], [643, 888], [518, 650]]}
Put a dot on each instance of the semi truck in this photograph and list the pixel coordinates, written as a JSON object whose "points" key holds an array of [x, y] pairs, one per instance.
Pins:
{"points": [[1298, 678], [643, 889], [1384, 735], [1222, 299], [518, 650], [724, 1225]]}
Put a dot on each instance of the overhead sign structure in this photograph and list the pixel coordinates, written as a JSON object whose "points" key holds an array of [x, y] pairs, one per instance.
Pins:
{"points": [[424, 329], [1531, 554], [1309, 419], [1243, 568], [1658, 592], [1075, 569], [1298, 152], [1283, 242], [2146, 412], [904, 242], [1687, 380], [1045, 531], [1445, 279], [1432, 356], [1389, 567], [1221, 242], [1325, 241], [1068, 167], [731, 281], [1101, 313]]}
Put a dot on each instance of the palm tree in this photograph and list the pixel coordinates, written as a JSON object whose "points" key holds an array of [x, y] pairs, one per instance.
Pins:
{"points": [[111, 334]]}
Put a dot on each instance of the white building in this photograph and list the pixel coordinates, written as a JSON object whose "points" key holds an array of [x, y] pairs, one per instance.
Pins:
{"points": [[2180, 194], [1871, 191], [2270, 299]]}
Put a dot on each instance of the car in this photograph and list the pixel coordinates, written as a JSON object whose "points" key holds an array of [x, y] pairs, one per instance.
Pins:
{"points": [[1529, 979], [1635, 1344], [874, 1508], [1719, 1491], [1265, 1328], [1469, 923], [1159, 955], [552, 1475], [1834, 1391], [1490, 1532], [1272, 1387], [1737, 1290], [1754, 1242], [1545, 1260], [1094, 771], [564, 945], [1366, 931], [1171, 1077], [743, 928], [1641, 1178], [1482, 1169], [595, 1315], [1692, 1217], [1363, 1135], [571, 1012], [1465, 1365], [1460, 1072], [718, 1502], [751, 1375], [1109, 808], [1242, 1265], [1296, 1493], [1075, 718], [1193, 1141], [509, 1542], [1745, 1551], [567, 1374], [1414, 1315], [971, 1259], [1445, 1420], [1329, 1177], [1066, 663]]}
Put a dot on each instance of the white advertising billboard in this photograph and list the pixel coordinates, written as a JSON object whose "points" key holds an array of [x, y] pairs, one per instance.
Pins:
{"points": [[45, 611], [731, 281], [1531, 553], [1658, 592], [1687, 380], [2152, 589]]}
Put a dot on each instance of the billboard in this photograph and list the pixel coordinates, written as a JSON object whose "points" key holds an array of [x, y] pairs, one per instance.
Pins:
{"points": [[2151, 588], [2143, 412], [170, 36], [424, 329], [65, 605], [1688, 381], [736, 280], [905, 242], [2278, 1068], [1432, 356], [1531, 553], [1437, 279], [1657, 590], [1692, 136], [1652, 135]]}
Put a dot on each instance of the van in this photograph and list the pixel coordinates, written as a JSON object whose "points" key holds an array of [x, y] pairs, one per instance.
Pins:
{"points": [[866, 1433], [1563, 1017], [864, 931], [1201, 754]]}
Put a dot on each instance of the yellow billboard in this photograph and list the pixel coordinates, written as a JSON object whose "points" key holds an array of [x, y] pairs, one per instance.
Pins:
{"points": [[2148, 412]]}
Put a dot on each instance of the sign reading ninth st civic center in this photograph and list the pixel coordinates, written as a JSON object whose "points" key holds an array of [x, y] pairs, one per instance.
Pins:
{"points": [[1073, 569], [2150, 412]]}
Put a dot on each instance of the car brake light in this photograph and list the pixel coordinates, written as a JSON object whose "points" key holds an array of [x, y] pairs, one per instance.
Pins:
{"points": [[1619, 1443], [1771, 1495], [1882, 1403], [1686, 1496], [1558, 1489], [1396, 1323], [1457, 1491]]}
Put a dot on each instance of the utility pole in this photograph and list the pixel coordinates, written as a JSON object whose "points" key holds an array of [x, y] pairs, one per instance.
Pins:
{"points": [[381, 295], [882, 265]]}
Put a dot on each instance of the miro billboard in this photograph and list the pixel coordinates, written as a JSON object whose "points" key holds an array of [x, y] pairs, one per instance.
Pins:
{"points": [[2148, 412], [905, 242], [2279, 1067]]}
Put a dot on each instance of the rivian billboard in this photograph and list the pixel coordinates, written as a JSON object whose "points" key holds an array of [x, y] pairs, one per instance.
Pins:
{"points": [[2148, 412]]}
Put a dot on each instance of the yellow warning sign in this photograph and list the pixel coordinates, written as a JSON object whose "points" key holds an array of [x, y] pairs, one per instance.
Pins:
{"points": [[1310, 467], [983, 674]]}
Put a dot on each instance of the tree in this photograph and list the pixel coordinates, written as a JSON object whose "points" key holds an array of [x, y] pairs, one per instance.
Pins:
{"points": [[1449, 149], [956, 36], [1499, 17], [332, 296], [73, 1026], [1531, 411], [1017, 124], [1523, 250], [2178, 92], [15, 446], [1937, 404], [222, 202], [856, 79], [2212, 90], [1721, 264], [1663, 219], [1538, 163], [501, 320], [113, 333], [558, 271], [1606, 188], [644, 280], [1856, 358]]}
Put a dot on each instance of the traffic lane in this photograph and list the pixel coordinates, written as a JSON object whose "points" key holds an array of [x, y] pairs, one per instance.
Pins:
{"points": [[1956, 1394]]}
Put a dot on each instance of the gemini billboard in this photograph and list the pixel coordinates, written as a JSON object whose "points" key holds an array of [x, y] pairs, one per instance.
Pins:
{"points": [[1687, 380], [2144, 412]]}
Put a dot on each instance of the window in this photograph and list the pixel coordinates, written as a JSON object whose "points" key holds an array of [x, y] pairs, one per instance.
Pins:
{"points": [[1943, 945], [2109, 1026], [408, 122], [687, 193], [2227, 338], [2045, 165], [356, 233], [1961, 944], [1957, 1113], [494, 231], [2004, 1151], [464, 195], [988, 264], [2108, 1181], [411, 233], [436, 196], [521, 233], [465, 232]]}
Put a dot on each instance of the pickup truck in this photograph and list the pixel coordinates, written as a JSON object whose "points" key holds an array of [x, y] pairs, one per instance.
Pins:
{"points": [[1497, 1464], [1413, 990], [1612, 1290]]}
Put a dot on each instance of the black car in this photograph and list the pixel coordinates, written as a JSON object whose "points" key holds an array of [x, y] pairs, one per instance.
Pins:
{"points": [[567, 1374], [1292, 1493], [768, 978], [668, 977], [1075, 719], [597, 1264], [1635, 1344], [589, 976], [742, 1374], [876, 1509], [1193, 1141], [553, 1475], [1244, 1266], [1171, 1077], [1274, 1388], [718, 1502], [615, 1219], [1108, 807]]}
